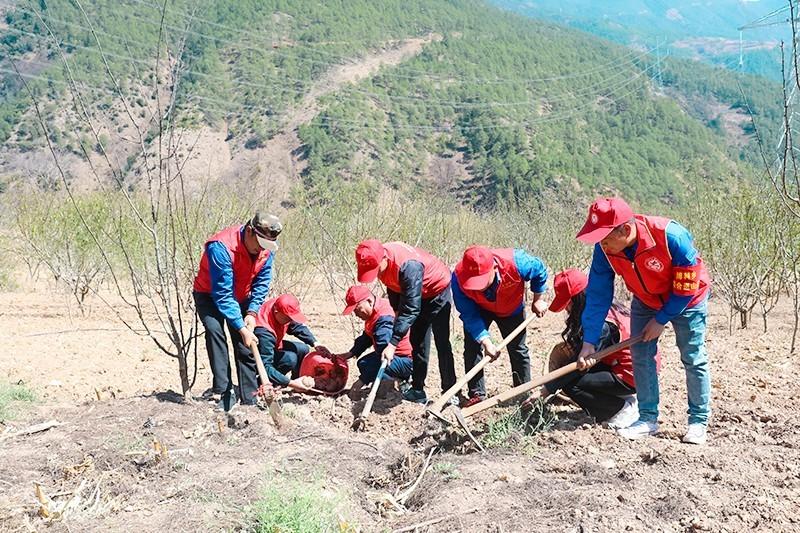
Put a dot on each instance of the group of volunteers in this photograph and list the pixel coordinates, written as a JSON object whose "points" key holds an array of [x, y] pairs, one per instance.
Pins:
{"points": [[655, 257]]}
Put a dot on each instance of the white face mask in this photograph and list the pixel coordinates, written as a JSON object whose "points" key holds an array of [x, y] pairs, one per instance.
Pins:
{"points": [[266, 244]]}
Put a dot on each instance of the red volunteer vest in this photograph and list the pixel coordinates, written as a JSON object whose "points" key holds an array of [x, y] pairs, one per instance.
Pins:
{"points": [[383, 308], [244, 267], [651, 276], [266, 319], [510, 291], [435, 279]]}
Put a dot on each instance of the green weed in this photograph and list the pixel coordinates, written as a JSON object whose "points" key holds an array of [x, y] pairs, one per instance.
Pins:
{"points": [[295, 506], [515, 428], [14, 399]]}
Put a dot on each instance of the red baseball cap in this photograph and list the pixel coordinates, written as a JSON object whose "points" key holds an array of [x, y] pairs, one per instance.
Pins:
{"points": [[369, 255], [355, 295], [567, 284], [290, 306], [476, 268], [605, 214]]}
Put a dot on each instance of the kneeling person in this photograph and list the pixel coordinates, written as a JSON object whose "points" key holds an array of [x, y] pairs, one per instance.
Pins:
{"points": [[277, 318], [378, 317], [606, 390]]}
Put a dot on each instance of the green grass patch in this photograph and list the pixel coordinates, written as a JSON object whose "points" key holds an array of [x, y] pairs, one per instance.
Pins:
{"points": [[514, 428], [296, 506], [448, 471], [13, 400]]}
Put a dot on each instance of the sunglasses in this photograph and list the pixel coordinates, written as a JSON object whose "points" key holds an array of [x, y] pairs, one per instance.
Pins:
{"points": [[268, 234]]}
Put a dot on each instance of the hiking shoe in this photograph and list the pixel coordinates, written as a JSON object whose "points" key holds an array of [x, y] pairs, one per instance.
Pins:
{"points": [[696, 434], [209, 395], [227, 402], [416, 396], [638, 430], [627, 415]]}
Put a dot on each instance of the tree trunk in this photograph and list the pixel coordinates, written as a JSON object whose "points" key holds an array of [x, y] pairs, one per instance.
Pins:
{"points": [[183, 370], [796, 318]]}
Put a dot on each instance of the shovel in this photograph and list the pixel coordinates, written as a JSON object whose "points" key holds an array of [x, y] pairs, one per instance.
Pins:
{"points": [[547, 378], [266, 389], [436, 407], [361, 420]]}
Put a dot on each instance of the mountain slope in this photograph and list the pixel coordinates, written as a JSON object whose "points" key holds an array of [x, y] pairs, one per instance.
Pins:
{"points": [[519, 105]]}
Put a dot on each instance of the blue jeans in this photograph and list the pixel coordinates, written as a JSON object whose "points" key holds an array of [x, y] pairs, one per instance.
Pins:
{"points": [[690, 333], [368, 366]]}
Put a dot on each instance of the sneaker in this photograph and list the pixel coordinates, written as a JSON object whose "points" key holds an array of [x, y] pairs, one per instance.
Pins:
{"points": [[696, 434], [227, 402], [416, 396], [638, 430], [472, 400], [627, 415], [209, 395], [404, 386]]}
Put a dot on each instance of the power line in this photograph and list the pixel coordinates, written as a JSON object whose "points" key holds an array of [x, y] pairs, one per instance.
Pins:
{"points": [[282, 89], [400, 126], [341, 59]]}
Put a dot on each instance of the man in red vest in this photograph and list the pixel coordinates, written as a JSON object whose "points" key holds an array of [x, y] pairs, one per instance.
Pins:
{"points": [[231, 284], [378, 317], [489, 286], [277, 318], [659, 264], [418, 286]]}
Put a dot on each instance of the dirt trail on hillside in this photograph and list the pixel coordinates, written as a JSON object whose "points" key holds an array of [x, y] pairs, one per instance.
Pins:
{"points": [[277, 165]]}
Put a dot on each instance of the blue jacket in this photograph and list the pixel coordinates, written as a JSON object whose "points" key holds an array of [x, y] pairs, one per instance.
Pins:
{"points": [[221, 270], [530, 269], [600, 292]]}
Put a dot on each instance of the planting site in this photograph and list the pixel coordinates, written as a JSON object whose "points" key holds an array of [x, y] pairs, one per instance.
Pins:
{"points": [[124, 453]]}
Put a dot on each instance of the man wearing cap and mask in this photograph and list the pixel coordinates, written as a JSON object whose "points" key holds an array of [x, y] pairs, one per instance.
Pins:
{"points": [[489, 286], [231, 285], [378, 317], [418, 286], [660, 265], [277, 318]]}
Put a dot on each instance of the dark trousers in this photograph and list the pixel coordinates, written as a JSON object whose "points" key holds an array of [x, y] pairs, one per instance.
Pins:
{"points": [[368, 366], [433, 318], [599, 392], [517, 352], [290, 356], [218, 357]]}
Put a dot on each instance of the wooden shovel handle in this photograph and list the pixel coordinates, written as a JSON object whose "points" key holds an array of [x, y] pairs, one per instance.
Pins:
{"points": [[452, 391], [262, 372], [547, 378], [373, 391], [273, 406]]}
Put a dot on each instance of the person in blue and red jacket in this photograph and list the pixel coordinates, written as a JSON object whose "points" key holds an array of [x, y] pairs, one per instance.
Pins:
{"points": [[231, 284], [489, 286], [418, 286], [378, 317], [660, 265], [277, 318]]}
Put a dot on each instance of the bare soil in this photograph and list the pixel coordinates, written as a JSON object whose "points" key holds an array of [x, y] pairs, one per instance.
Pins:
{"points": [[138, 458]]}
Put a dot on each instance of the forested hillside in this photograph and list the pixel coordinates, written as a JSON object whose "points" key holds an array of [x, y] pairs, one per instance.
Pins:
{"points": [[508, 105]]}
